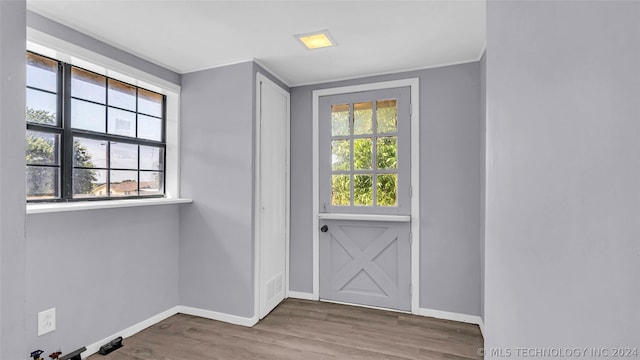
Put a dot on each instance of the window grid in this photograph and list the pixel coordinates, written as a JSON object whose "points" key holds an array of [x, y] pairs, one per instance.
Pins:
{"points": [[374, 171], [64, 186]]}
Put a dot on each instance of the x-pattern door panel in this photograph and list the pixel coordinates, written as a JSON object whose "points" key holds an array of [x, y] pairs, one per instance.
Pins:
{"points": [[361, 263], [364, 173]]}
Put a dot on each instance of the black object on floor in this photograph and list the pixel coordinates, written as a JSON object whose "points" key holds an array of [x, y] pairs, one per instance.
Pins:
{"points": [[74, 355], [113, 345]]}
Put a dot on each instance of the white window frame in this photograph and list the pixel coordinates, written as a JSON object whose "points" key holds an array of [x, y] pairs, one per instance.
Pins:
{"points": [[58, 49]]}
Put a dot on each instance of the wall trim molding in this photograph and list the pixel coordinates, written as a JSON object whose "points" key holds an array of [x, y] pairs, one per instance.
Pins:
{"points": [[481, 325], [132, 330], [446, 315], [214, 315], [301, 295]]}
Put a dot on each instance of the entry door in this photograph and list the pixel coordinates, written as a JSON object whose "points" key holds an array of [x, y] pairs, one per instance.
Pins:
{"points": [[272, 192], [364, 160]]}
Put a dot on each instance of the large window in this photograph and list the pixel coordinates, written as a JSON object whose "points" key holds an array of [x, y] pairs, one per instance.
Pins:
{"points": [[91, 137]]}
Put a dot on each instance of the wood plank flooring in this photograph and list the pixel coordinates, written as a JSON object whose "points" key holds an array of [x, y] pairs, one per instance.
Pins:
{"points": [[309, 330]]}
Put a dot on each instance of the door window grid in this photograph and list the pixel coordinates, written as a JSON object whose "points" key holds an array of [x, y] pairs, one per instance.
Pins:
{"points": [[103, 138], [364, 154]]}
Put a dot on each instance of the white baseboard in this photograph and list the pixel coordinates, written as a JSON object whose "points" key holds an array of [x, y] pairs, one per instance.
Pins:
{"points": [[481, 324], [301, 295], [445, 315], [131, 330], [213, 315]]}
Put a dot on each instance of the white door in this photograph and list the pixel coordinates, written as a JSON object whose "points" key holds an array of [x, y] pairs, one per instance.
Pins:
{"points": [[272, 188]]}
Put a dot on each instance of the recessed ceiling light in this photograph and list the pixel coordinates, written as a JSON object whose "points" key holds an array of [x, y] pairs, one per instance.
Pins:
{"points": [[316, 40]]}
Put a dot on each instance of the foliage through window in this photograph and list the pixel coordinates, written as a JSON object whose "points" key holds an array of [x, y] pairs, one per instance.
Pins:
{"points": [[89, 136], [364, 162]]}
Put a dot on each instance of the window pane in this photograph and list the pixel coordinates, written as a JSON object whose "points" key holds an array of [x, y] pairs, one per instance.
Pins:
{"points": [[151, 183], [363, 190], [122, 122], [89, 153], [122, 95], [151, 158], [387, 116], [87, 116], [149, 128], [42, 73], [124, 183], [387, 152], [340, 120], [362, 151], [387, 188], [149, 103], [340, 190], [362, 118], [88, 183], [42, 148], [124, 156], [41, 107], [87, 85], [42, 182], [340, 154]]}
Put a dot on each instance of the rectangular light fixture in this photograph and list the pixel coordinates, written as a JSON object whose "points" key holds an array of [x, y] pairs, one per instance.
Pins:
{"points": [[316, 40]]}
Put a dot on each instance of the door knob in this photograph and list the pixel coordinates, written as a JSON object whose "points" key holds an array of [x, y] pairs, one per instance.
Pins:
{"points": [[324, 228]]}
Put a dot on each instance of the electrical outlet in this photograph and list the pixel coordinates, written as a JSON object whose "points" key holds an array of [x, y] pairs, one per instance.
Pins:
{"points": [[46, 321]]}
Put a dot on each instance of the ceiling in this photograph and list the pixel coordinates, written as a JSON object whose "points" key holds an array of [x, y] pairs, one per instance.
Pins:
{"points": [[373, 37]]}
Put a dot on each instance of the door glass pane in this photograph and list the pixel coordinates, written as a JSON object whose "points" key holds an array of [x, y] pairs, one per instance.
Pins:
{"points": [[89, 183], [42, 73], [149, 128], [124, 156], [41, 107], [124, 183], [122, 95], [151, 183], [340, 154], [387, 188], [42, 182], [150, 158], [363, 190], [340, 120], [386, 152], [362, 151], [387, 116], [42, 148], [340, 190], [87, 85], [149, 103], [122, 122], [89, 153], [362, 118], [87, 116]]}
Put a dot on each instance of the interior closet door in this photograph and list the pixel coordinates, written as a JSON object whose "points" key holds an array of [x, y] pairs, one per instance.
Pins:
{"points": [[272, 190]]}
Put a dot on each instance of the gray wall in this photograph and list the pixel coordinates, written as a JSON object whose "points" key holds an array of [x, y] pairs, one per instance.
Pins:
{"points": [[103, 270], [12, 188], [449, 189], [71, 256], [483, 174], [47, 26], [216, 231], [563, 176]]}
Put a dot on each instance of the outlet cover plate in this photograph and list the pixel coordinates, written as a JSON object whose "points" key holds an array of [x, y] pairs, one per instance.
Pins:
{"points": [[46, 321]]}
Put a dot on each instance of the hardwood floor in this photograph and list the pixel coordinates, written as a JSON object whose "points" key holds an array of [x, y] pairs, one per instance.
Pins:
{"points": [[309, 330]]}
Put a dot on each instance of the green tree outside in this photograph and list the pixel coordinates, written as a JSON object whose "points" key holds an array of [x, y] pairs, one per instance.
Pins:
{"points": [[40, 149]]}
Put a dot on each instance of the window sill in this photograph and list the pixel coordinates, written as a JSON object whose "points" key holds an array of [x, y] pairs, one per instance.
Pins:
{"points": [[91, 205]]}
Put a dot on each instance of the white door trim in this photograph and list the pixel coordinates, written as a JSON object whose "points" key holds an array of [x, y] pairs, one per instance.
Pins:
{"points": [[257, 240], [414, 84]]}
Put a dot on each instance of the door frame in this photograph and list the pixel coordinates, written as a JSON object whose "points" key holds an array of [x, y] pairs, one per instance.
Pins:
{"points": [[256, 209], [414, 85]]}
